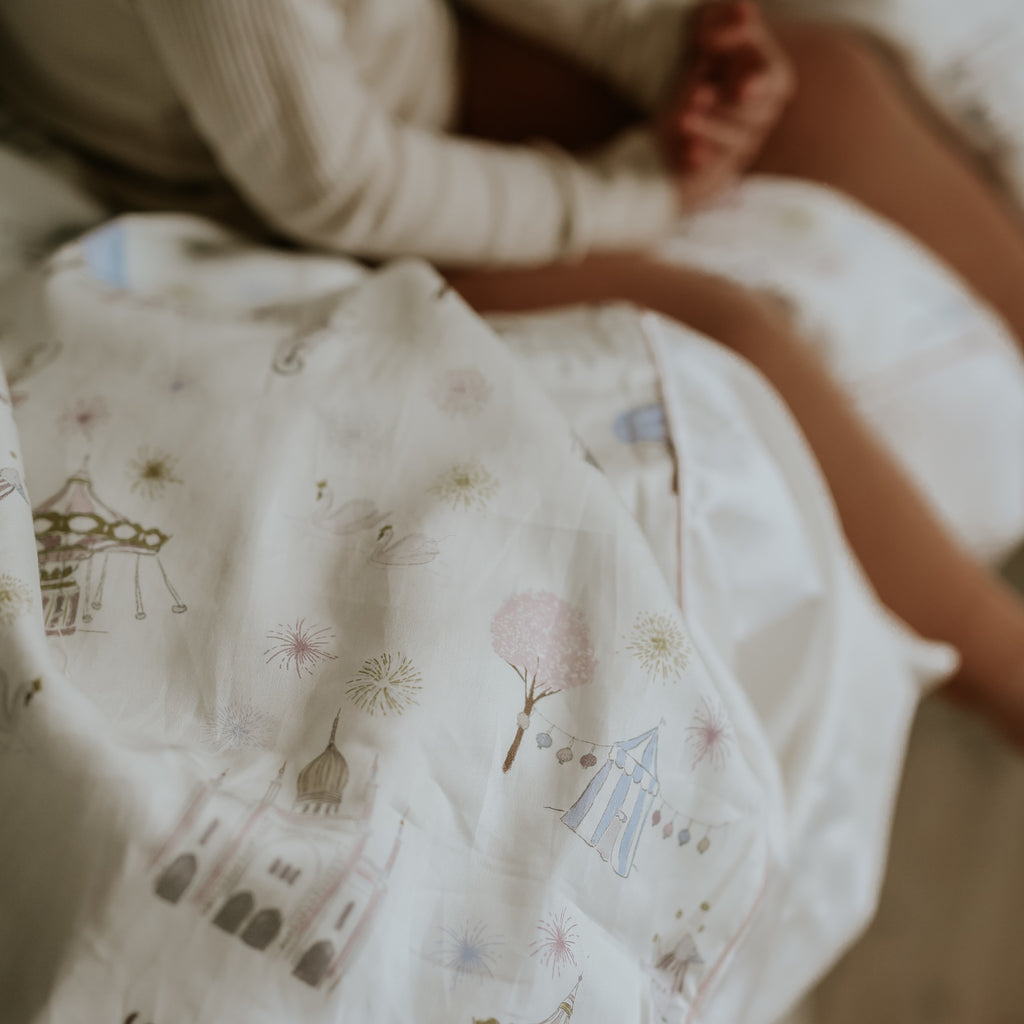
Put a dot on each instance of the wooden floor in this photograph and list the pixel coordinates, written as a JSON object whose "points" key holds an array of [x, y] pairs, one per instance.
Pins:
{"points": [[947, 944]]}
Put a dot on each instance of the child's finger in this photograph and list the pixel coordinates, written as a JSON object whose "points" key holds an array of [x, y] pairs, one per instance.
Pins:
{"points": [[717, 131], [757, 88], [698, 155], [740, 68], [728, 25], [750, 117], [725, 15], [724, 39], [701, 98]]}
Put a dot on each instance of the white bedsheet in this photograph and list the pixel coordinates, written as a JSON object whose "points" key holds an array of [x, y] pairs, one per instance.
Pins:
{"points": [[303, 533]]}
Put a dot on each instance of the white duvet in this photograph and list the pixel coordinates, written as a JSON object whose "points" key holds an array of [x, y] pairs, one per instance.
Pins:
{"points": [[361, 660]]}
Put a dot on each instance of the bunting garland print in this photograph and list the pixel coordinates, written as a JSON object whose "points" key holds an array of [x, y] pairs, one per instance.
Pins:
{"points": [[636, 760]]}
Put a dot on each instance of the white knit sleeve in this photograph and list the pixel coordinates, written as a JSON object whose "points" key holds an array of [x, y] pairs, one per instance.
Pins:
{"points": [[270, 86]]}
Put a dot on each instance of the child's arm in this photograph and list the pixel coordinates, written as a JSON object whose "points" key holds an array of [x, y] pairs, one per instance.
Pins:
{"points": [[272, 89], [709, 71]]}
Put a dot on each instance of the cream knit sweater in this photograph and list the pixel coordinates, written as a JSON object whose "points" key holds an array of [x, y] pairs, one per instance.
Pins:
{"points": [[332, 117]]}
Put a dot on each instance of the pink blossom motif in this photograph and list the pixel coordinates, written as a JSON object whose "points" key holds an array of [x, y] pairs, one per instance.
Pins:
{"points": [[710, 736], [559, 935], [461, 392], [86, 415], [545, 641], [299, 647]]}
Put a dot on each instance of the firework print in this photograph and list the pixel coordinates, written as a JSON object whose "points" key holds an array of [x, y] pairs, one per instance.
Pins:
{"points": [[386, 684], [559, 934], [468, 951], [462, 392], [237, 724], [710, 736], [300, 647], [15, 599], [85, 417], [467, 485], [151, 471], [661, 647]]}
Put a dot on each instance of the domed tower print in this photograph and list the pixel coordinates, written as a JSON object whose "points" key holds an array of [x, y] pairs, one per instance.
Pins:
{"points": [[72, 528], [321, 784], [301, 884]]}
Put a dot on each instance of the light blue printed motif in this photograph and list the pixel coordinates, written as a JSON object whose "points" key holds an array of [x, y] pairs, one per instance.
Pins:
{"points": [[104, 252], [611, 812], [643, 423]]}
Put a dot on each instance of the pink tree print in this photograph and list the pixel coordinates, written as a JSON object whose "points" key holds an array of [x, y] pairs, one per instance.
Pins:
{"points": [[545, 641]]}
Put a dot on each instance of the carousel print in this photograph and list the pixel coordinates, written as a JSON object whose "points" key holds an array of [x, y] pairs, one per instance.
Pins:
{"points": [[611, 812], [73, 527]]}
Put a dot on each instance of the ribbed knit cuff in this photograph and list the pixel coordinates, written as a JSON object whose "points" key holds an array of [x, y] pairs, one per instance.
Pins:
{"points": [[623, 197]]}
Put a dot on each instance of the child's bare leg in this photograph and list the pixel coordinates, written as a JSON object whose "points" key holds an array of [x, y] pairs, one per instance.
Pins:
{"points": [[916, 567], [855, 125]]}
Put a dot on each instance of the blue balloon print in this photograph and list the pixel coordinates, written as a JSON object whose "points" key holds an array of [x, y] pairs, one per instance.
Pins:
{"points": [[543, 740], [684, 836]]}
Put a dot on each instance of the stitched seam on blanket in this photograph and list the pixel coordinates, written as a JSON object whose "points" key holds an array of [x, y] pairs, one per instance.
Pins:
{"points": [[652, 342]]}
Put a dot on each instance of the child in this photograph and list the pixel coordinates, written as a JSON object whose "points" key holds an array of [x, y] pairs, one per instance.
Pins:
{"points": [[400, 128]]}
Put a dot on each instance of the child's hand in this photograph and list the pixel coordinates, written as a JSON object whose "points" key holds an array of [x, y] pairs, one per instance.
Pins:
{"points": [[729, 96]]}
